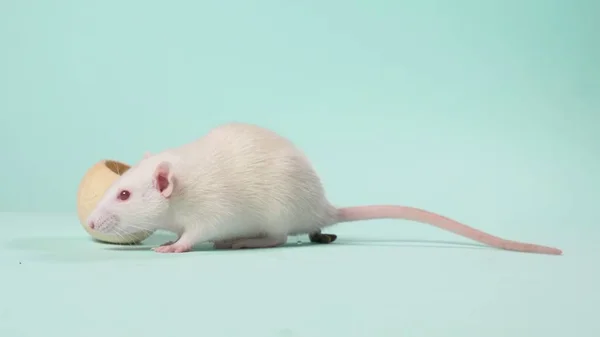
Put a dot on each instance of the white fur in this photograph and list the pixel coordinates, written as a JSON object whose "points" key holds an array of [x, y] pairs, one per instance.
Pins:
{"points": [[239, 180], [244, 183]]}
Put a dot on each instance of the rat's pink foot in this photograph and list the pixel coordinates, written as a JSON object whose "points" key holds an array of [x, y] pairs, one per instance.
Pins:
{"points": [[173, 248], [263, 242]]}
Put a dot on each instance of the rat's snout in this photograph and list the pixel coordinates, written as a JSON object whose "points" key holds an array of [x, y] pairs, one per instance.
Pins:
{"points": [[91, 220], [103, 221]]}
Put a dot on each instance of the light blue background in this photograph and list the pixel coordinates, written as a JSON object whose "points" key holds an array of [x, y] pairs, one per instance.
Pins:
{"points": [[484, 111]]}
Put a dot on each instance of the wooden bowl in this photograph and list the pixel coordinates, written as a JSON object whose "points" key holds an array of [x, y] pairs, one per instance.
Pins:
{"points": [[93, 185]]}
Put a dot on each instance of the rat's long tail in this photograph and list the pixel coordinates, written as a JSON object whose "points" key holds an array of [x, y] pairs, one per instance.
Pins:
{"points": [[358, 213]]}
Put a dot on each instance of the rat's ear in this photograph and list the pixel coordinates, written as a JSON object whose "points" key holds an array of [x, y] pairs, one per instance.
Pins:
{"points": [[147, 154], [163, 179]]}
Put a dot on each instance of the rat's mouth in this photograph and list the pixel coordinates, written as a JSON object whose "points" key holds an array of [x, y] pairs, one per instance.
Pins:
{"points": [[116, 167]]}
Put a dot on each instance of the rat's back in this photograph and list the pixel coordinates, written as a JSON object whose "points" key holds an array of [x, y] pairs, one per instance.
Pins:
{"points": [[252, 177]]}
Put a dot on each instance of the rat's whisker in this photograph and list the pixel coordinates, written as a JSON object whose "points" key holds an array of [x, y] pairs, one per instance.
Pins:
{"points": [[117, 232], [128, 237], [141, 229]]}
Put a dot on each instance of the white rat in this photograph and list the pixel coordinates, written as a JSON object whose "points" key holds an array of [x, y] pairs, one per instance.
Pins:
{"points": [[243, 186]]}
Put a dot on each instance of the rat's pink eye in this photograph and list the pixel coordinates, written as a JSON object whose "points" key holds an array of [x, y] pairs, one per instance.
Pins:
{"points": [[124, 195]]}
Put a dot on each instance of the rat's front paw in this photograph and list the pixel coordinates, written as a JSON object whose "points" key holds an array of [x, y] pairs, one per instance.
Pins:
{"points": [[173, 248]]}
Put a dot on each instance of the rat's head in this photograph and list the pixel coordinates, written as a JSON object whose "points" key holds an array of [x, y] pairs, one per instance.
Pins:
{"points": [[137, 201]]}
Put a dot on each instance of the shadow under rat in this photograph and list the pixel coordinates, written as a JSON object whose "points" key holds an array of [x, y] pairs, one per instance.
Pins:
{"points": [[320, 239]]}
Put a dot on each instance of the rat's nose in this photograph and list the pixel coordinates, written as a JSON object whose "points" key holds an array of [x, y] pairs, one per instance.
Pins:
{"points": [[91, 224]]}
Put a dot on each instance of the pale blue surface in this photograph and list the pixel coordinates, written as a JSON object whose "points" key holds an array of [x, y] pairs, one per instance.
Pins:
{"points": [[484, 111], [86, 80], [58, 283]]}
